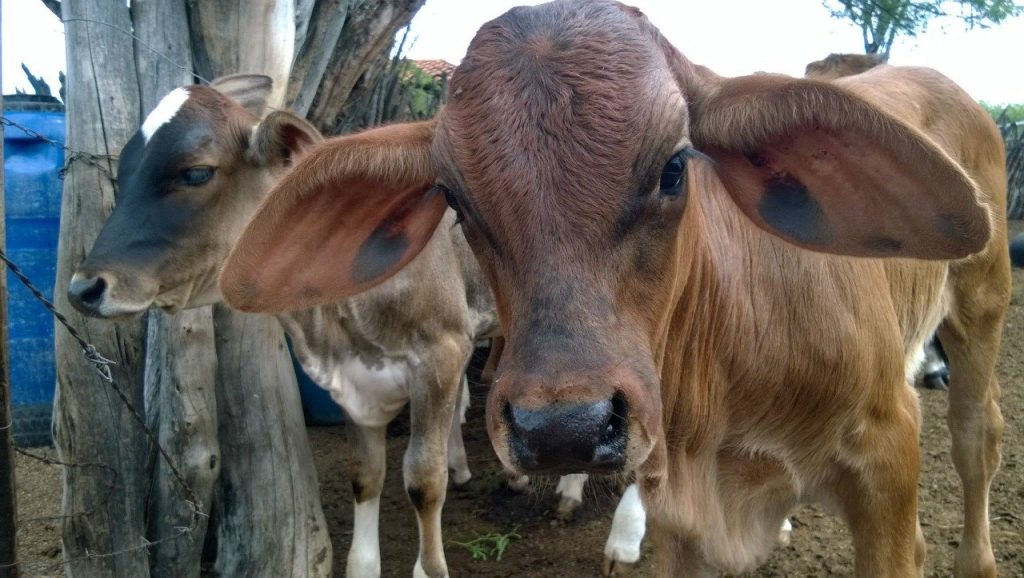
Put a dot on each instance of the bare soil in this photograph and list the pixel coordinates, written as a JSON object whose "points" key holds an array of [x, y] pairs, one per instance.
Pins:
{"points": [[820, 547]]}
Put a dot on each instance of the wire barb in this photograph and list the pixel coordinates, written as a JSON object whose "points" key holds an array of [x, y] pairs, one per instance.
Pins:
{"points": [[97, 161]]}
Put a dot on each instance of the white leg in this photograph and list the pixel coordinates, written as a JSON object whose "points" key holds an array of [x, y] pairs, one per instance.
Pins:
{"points": [[628, 528], [570, 488], [368, 467], [786, 533], [458, 464]]}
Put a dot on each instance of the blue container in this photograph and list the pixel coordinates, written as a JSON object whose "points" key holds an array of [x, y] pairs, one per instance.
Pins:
{"points": [[32, 193], [317, 405]]}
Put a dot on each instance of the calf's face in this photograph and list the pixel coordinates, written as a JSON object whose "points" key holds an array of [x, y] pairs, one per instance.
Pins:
{"points": [[569, 149], [188, 181]]}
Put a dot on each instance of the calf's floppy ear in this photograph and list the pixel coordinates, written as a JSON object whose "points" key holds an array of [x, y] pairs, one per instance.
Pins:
{"points": [[825, 170], [280, 138], [349, 215]]}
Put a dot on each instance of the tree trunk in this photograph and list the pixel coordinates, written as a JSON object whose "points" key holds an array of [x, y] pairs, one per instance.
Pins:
{"points": [[181, 377], [104, 503], [230, 36], [267, 510], [181, 360], [369, 30], [325, 24]]}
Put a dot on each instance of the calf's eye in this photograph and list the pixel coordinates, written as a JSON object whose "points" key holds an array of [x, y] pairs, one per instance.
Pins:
{"points": [[195, 176], [673, 175], [449, 197]]}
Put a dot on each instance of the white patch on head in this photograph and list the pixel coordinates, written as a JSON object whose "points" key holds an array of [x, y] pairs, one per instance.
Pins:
{"points": [[164, 112]]}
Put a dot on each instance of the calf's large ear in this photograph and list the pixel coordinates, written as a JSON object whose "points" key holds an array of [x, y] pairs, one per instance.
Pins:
{"points": [[249, 90], [825, 170], [349, 215]]}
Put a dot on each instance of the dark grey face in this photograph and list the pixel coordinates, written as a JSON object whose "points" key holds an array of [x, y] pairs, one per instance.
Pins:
{"points": [[182, 180]]}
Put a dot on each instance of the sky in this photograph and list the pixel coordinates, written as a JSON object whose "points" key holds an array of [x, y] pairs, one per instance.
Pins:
{"points": [[732, 37]]}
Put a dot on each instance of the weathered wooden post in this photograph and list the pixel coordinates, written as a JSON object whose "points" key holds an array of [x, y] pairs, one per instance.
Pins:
{"points": [[267, 495], [103, 504], [8, 502], [181, 359]]}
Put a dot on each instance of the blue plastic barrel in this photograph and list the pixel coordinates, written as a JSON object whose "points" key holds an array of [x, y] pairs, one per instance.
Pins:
{"points": [[317, 405], [32, 193]]}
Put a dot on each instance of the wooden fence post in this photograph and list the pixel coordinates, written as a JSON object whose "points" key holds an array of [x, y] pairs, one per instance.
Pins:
{"points": [[8, 499], [181, 358], [103, 502], [267, 513]]}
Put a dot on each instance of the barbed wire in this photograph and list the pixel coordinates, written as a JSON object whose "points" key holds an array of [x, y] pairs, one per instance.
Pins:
{"points": [[102, 366], [99, 162]]}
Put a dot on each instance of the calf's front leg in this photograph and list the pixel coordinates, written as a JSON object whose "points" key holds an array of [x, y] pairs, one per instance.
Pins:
{"points": [[368, 468], [433, 398]]}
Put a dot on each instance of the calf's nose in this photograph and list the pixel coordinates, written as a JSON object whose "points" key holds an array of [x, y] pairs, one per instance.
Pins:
{"points": [[86, 292], [569, 437]]}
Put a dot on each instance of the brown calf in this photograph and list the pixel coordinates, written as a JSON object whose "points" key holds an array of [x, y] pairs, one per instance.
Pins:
{"points": [[189, 181], [721, 284]]}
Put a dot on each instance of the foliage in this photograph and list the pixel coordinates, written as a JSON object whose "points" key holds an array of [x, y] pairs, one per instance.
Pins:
{"points": [[483, 546], [1014, 112], [425, 92], [881, 21]]}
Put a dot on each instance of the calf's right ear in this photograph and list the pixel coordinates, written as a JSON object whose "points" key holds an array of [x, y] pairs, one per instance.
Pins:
{"points": [[349, 215], [251, 91]]}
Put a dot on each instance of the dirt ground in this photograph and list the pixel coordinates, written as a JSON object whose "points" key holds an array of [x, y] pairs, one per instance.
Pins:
{"points": [[820, 546]]}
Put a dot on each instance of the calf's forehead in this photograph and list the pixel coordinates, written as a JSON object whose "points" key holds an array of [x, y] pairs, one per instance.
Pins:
{"points": [[190, 124], [568, 96]]}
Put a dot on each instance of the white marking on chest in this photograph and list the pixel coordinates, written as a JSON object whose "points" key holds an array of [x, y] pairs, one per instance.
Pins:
{"points": [[372, 395], [164, 112]]}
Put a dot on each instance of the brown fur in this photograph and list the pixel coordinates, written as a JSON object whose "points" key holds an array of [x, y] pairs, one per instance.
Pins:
{"points": [[771, 359], [757, 374], [761, 344]]}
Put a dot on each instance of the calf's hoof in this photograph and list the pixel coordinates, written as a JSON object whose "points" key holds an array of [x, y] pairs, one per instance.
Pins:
{"points": [[567, 507], [362, 567], [614, 567], [518, 484], [419, 572], [460, 478]]}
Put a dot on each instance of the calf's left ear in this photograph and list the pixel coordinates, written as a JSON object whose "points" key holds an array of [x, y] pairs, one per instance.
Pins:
{"points": [[349, 215], [279, 138], [825, 170]]}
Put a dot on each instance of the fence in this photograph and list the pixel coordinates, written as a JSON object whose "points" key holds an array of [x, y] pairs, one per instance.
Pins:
{"points": [[1013, 136]]}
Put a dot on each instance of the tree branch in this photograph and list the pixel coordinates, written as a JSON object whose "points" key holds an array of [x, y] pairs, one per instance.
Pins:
{"points": [[53, 6]]}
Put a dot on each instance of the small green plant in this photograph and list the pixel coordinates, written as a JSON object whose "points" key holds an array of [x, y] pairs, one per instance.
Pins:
{"points": [[484, 546]]}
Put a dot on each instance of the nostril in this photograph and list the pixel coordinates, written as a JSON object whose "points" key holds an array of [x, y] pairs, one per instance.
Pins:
{"points": [[516, 439], [611, 449], [616, 420], [87, 291], [92, 294]]}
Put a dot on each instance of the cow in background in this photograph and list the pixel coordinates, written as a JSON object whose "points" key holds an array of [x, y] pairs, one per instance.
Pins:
{"points": [[934, 372]]}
